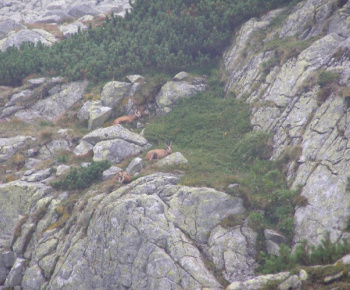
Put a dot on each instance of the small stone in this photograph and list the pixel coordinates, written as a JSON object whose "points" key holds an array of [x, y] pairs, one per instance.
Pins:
{"points": [[110, 172], [303, 275], [293, 283], [181, 76], [8, 258], [36, 82], [62, 169], [135, 78], [233, 186], [135, 166], [29, 172]]}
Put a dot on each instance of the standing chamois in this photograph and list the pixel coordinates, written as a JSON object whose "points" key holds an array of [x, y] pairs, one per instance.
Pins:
{"points": [[158, 153], [127, 119]]}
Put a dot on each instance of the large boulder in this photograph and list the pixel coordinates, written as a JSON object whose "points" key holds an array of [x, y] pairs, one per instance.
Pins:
{"points": [[175, 158], [98, 115], [115, 150], [81, 9], [114, 143], [26, 35], [114, 92], [114, 132], [176, 89], [69, 29]]}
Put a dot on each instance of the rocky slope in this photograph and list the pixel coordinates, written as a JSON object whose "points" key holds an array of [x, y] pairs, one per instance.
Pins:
{"points": [[281, 78], [292, 67]]}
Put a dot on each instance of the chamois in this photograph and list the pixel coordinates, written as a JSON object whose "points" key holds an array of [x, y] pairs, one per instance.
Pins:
{"points": [[127, 119], [122, 177], [158, 153]]}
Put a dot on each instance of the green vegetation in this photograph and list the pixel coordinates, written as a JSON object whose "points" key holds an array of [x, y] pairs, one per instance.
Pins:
{"points": [[215, 135], [328, 82], [325, 253], [326, 78], [162, 35], [83, 177]]}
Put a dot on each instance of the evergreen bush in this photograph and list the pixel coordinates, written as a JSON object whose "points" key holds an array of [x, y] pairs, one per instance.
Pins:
{"points": [[83, 177], [326, 252], [160, 35]]}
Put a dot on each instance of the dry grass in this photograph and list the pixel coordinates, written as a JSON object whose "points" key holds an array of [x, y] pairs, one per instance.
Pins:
{"points": [[51, 28]]}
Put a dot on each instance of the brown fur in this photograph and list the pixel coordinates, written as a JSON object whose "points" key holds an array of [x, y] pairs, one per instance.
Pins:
{"points": [[122, 177], [158, 153], [127, 119]]}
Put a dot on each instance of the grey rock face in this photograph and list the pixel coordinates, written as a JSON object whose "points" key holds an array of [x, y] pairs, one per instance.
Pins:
{"points": [[144, 235], [16, 274], [17, 198], [299, 21], [286, 102], [233, 251], [55, 105], [146, 244], [33, 278]]}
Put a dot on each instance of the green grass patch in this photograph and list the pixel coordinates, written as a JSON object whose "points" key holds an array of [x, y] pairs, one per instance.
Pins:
{"points": [[214, 133], [205, 129]]}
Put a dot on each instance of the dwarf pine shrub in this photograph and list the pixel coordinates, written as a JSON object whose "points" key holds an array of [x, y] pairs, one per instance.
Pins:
{"points": [[326, 252], [83, 177]]}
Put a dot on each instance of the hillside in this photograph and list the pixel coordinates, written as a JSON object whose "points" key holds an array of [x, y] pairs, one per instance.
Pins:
{"points": [[255, 110]]}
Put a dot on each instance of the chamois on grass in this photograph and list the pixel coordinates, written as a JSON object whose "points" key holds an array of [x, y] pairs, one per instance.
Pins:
{"points": [[158, 153], [127, 119]]}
